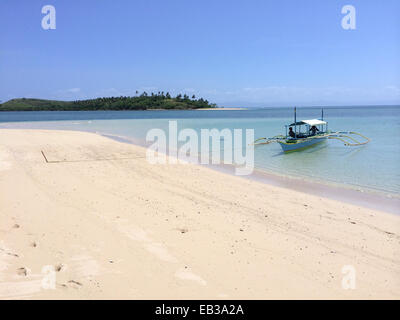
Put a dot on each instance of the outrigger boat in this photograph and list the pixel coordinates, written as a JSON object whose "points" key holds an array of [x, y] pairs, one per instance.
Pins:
{"points": [[301, 139]]}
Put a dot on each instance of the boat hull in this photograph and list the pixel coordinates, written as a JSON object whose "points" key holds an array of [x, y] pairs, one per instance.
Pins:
{"points": [[300, 144]]}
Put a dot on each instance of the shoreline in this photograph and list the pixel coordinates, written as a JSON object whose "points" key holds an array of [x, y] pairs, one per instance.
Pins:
{"points": [[98, 213], [369, 198], [372, 199]]}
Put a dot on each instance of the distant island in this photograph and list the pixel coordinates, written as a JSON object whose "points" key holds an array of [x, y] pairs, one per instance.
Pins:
{"points": [[143, 101]]}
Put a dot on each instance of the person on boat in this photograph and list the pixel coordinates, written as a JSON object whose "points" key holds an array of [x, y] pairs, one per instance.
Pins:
{"points": [[291, 132], [314, 130]]}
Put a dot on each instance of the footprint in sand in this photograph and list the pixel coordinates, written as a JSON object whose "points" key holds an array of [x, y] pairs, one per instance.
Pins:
{"points": [[12, 254], [59, 267], [23, 271], [75, 284], [183, 230], [16, 226]]}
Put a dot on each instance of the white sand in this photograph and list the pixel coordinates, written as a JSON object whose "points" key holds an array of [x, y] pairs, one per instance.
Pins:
{"points": [[126, 229]]}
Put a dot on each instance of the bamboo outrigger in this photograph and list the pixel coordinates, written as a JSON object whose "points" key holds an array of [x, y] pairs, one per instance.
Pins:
{"points": [[298, 139]]}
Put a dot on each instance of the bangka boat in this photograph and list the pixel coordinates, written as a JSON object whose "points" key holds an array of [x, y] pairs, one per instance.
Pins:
{"points": [[308, 133]]}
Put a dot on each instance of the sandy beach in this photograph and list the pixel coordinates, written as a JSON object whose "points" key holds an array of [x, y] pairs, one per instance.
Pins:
{"points": [[93, 215]]}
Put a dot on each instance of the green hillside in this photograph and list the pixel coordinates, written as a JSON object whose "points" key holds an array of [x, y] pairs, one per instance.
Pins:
{"points": [[142, 102]]}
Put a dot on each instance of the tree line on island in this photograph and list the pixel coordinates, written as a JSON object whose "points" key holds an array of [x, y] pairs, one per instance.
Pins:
{"points": [[143, 101]]}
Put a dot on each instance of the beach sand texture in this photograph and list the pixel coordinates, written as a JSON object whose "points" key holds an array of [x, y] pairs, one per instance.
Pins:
{"points": [[105, 224]]}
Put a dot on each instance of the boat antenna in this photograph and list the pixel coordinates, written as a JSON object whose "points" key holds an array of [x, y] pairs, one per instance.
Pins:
{"points": [[322, 116]]}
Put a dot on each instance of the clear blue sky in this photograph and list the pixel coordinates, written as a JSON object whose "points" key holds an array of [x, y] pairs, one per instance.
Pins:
{"points": [[255, 53]]}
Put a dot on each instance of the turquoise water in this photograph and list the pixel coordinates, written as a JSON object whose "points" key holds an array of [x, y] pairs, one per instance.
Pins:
{"points": [[373, 167]]}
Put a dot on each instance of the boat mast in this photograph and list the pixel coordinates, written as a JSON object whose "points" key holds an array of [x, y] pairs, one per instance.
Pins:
{"points": [[322, 118], [295, 126]]}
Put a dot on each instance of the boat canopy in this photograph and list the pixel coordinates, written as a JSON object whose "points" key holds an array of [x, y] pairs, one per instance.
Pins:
{"points": [[312, 122]]}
